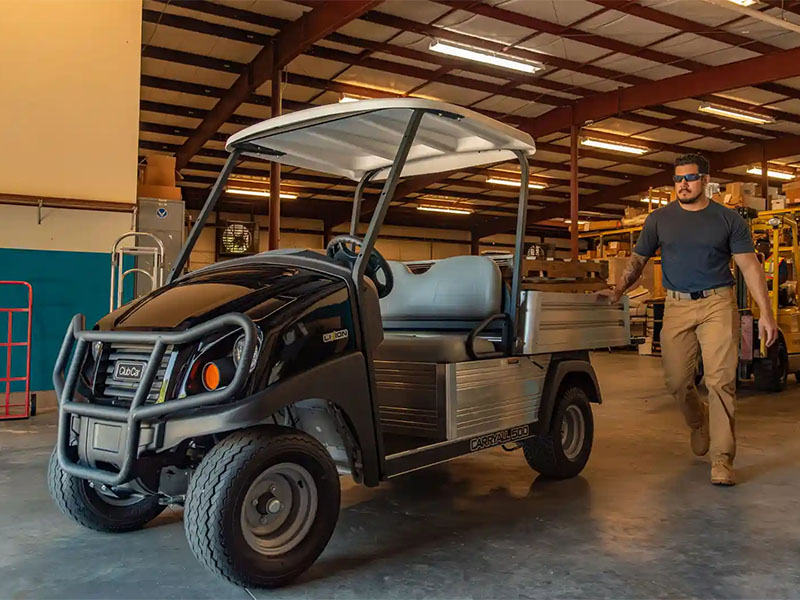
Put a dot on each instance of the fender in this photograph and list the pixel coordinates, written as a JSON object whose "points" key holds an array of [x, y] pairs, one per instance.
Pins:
{"points": [[350, 394], [574, 364]]}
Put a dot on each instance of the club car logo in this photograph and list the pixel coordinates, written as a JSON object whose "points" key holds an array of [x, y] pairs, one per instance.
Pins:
{"points": [[335, 336], [128, 370], [501, 437]]}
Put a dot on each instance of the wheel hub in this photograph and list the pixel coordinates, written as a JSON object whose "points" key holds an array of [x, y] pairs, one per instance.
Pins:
{"points": [[573, 432], [279, 509]]}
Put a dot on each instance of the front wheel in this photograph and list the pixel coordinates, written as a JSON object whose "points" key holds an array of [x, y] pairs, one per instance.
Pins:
{"points": [[262, 506], [563, 451], [81, 501]]}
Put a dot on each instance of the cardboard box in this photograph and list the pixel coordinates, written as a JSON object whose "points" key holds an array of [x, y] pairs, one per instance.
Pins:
{"points": [[631, 212], [755, 202], [600, 225], [619, 246], [159, 170], [792, 195], [791, 185], [738, 188], [161, 192], [778, 204]]}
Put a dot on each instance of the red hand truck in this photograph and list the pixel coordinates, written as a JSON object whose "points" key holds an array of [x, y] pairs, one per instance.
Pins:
{"points": [[9, 409]]}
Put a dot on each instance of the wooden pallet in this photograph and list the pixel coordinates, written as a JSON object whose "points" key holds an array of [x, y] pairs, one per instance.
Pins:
{"points": [[561, 269], [561, 285]]}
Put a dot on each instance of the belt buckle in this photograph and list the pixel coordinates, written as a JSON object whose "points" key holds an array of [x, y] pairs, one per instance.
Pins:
{"points": [[696, 295]]}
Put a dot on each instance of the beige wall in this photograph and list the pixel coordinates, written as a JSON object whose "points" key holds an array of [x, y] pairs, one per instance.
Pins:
{"points": [[69, 98], [61, 229]]}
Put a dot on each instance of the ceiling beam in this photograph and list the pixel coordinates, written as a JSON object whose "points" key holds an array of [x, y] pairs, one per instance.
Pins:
{"points": [[742, 73], [249, 36], [292, 41], [769, 149], [702, 30], [585, 37]]}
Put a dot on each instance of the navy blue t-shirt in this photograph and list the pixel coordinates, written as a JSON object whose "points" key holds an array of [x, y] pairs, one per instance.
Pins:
{"points": [[696, 246]]}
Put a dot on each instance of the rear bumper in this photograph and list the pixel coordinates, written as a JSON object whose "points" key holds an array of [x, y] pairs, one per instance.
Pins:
{"points": [[115, 434]]}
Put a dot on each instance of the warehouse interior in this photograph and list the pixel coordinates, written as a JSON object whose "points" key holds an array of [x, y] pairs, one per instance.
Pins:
{"points": [[117, 119]]}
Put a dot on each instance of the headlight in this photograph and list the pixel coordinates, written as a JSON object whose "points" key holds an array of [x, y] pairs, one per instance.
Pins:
{"points": [[97, 350], [238, 351]]}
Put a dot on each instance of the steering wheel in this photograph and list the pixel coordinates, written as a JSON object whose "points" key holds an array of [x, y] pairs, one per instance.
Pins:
{"points": [[345, 249]]}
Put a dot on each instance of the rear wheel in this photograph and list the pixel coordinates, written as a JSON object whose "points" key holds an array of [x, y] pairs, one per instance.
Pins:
{"points": [[86, 504], [262, 506], [772, 373], [563, 451]]}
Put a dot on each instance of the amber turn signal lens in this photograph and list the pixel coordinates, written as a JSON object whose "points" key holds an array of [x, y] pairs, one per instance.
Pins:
{"points": [[211, 376]]}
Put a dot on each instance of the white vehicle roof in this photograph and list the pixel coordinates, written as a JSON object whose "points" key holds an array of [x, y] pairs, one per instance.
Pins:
{"points": [[353, 138]]}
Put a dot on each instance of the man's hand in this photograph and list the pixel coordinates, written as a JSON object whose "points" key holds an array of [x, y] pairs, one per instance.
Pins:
{"points": [[754, 277], [768, 328], [611, 296], [633, 270]]}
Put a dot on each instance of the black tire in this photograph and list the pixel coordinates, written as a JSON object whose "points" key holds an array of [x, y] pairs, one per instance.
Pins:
{"points": [[558, 456], [79, 501], [772, 373], [217, 505]]}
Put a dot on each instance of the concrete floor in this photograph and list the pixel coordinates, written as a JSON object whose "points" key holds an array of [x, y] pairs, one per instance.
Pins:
{"points": [[641, 522]]}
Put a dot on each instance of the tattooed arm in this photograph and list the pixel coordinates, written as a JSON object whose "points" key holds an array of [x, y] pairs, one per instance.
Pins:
{"points": [[633, 270]]}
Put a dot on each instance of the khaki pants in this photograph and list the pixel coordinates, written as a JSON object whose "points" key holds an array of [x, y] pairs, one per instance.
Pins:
{"points": [[712, 324]]}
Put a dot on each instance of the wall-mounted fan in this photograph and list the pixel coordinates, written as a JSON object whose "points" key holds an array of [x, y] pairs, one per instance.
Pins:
{"points": [[237, 239]]}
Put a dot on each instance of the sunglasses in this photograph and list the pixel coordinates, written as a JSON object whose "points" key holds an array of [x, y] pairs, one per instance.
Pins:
{"points": [[688, 177]]}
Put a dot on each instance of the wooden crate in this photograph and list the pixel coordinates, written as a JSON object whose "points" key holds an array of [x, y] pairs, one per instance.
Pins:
{"points": [[541, 284], [565, 269]]}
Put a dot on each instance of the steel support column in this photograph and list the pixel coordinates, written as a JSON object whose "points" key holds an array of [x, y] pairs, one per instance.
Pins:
{"points": [[573, 189], [764, 175], [474, 244], [275, 172]]}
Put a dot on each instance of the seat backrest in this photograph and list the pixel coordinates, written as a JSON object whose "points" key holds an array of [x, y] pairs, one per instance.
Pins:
{"points": [[461, 288]]}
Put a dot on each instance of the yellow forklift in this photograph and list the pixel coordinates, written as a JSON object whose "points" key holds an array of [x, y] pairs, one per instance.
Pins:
{"points": [[776, 237]]}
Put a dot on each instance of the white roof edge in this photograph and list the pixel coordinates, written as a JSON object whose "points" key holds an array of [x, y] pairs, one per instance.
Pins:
{"points": [[327, 112]]}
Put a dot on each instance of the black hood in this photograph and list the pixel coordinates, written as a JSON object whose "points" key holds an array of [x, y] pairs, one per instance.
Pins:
{"points": [[250, 287]]}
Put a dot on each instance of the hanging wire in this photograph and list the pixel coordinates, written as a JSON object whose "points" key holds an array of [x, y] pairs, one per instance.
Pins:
{"points": [[155, 27]]}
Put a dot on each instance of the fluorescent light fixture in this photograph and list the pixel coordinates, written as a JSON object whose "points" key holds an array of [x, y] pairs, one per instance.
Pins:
{"points": [[484, 56], [569, 222], [616, 146], [351, 98], [260, 193], [532, 185], [785, 175], [735, 113], [654, 201], [743, 2], [445, 209]]}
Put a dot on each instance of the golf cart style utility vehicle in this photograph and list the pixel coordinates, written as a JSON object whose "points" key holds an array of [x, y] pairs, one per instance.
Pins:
{"points": [[244, 389]]}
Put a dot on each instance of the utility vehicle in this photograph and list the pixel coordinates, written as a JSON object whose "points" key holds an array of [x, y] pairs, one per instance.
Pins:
{"points": [[243, 390]]}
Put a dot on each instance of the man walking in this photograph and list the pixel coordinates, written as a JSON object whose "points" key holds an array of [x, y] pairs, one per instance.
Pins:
{"points": [[697, 238]]}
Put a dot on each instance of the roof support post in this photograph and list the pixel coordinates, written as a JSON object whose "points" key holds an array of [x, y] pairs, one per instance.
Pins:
{"points": [[519, 249], [357, 200], [275, 171], [208, 207], [764, 175], [573, 189], [387, 195]]}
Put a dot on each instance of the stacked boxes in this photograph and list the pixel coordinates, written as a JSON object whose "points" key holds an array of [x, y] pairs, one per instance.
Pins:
{"points": [[792, 191]]}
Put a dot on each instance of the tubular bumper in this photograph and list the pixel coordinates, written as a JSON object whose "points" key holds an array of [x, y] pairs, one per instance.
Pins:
{"points": [[77, 340]]}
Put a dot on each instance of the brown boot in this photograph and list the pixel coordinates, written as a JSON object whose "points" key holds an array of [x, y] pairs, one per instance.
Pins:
{"points": [[722, 473], [700, 436]]}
